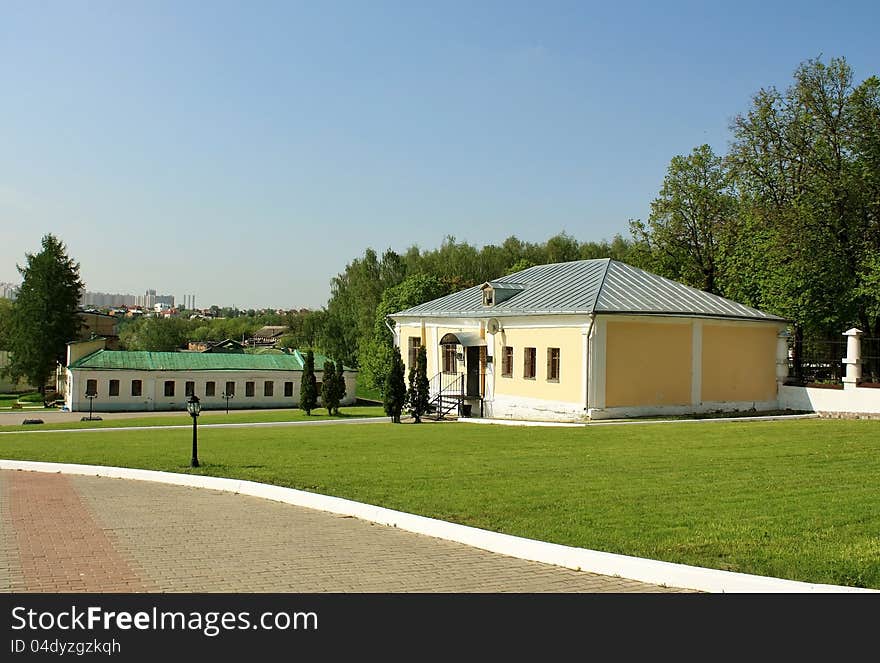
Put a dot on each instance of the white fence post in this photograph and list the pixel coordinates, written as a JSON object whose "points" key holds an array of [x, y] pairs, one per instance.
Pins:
{"points": [[853, 359], [782, 357]]}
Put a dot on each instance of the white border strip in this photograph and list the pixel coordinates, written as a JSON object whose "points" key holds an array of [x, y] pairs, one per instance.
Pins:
{"points": [[633, 422], [579, 559]]}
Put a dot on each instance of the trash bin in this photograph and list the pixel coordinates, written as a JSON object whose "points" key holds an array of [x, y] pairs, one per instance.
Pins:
{"points": [[466, 409]]}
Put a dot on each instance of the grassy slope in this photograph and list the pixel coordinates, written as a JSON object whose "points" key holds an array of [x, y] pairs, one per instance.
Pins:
{"points": [[791, 499]]}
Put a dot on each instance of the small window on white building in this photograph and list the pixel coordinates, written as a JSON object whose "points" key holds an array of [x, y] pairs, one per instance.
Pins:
{"points": [[268, 388], [91, 387], [190, 388], [169, 388], [114, 387], [248, 388], [136, 387], [210, 388]]}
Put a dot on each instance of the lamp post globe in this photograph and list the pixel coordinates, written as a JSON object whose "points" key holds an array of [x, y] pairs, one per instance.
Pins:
{"points": [[194, 407]]}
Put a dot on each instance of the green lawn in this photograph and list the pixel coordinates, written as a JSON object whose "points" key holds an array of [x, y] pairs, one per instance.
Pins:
{"points": [[207, 417], [795, 499], [7, 400]]}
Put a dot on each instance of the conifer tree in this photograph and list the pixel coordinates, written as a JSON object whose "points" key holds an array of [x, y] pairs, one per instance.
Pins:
{"points": [[329, 388], [308, 391], [44, 316], [417, 397], [394, 394], [340, 384]]}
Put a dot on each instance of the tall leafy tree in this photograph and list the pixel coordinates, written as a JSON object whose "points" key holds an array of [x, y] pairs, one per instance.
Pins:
{"points": [[690, 220], [308, 390], [376, 351], [803, 166], [418, 394], [394, 391], [169, 334], [44, 314]]}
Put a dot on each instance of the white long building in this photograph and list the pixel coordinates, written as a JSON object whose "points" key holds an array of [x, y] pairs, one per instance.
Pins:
{"points": [[154, 381]]}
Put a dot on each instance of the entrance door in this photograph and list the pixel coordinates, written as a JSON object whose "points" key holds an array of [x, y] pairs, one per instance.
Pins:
{"points": [[472, 386]]}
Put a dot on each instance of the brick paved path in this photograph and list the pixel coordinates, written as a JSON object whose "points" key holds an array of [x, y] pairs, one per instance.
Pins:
{"points": [[66, 533]]}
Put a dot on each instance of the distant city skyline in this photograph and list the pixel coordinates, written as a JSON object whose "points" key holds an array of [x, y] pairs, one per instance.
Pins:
{"points": [[248, 153]]}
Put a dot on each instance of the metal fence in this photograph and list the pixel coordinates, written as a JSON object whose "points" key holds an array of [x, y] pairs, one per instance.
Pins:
{"points": [[871, 359], [821, 360]]}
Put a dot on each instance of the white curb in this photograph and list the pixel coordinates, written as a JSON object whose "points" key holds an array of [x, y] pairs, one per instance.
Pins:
{"points": [[580, 559]]}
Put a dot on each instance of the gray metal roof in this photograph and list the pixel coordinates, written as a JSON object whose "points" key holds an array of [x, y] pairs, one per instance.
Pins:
{"points": [[589, 286]]}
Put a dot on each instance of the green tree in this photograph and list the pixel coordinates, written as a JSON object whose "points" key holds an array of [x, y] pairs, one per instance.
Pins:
{"points": [[689, 223], [44, 314], [165, 334], [803, 164], [5, 322], [376, 352], [562, 248], [417, 396], [308, 390], [394, 391], [329, 388]]}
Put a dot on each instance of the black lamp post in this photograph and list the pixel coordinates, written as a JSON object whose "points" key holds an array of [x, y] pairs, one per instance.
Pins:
{"points": [[91, 395], [227, 397], [194, 407]]}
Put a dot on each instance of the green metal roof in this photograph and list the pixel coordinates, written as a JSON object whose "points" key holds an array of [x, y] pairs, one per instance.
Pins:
{"points": [[193, 361]]}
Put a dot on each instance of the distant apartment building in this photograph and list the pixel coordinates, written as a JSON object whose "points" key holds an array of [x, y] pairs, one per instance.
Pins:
{"points": [[113, 300], [8, 290]]}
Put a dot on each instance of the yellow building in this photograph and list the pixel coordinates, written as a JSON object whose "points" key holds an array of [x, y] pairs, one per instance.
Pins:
{"points": [[594, 339]]}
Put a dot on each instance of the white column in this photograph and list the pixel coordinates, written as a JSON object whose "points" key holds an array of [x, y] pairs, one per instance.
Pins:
{"points": [[585, 365], [853, 359], [597, 382], [435, 352]]}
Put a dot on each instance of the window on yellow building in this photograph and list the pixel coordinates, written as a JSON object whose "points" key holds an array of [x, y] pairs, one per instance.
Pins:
{"points": [[449, 363], [414, 344], [529, 356], [507, 361], [553, 364]]}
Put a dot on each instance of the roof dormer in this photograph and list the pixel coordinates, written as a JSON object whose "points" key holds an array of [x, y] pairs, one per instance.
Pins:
{"points": [[495, 292]]}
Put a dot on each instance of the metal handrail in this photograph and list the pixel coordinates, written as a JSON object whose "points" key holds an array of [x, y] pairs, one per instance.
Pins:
{"points": [[446, 396]]}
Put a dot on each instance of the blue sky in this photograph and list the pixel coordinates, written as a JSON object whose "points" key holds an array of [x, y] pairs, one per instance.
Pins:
{"points": [[245, 152]]}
